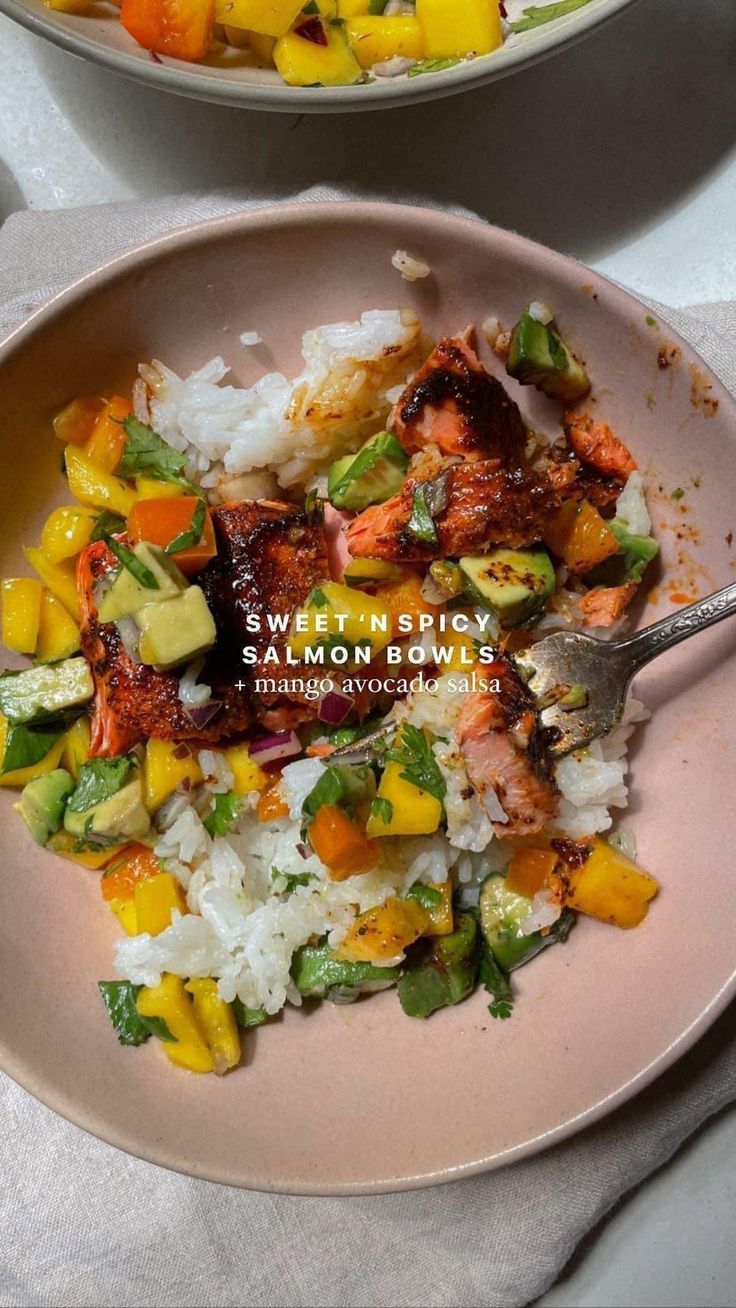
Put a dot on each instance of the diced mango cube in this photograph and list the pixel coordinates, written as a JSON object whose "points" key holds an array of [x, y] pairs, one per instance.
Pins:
{"points": [[150, 489], [155, 900], [124, 911], [267, 17], [76, 745], [66, 531], [92, 485], [59, 578], [611, 887], [247, 775], [337, 616], [305, 63], [166, 766], [21, 602], [411, 811], [58, 633], [216, 1019], [170, 1001], [453, 28], [73, 424], [375, 38], [108, 440], [382, 933], [440, 915]]}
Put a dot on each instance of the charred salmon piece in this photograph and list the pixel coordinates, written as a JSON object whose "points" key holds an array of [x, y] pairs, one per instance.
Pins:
{"points": [[575, 481], [503, 748], [269, 558], [595, 445], [132, 700], [482, 505], [453, 403], [605, 604]]}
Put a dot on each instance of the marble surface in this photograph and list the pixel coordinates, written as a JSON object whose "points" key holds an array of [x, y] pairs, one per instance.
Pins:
{"points": [[620, 151]]}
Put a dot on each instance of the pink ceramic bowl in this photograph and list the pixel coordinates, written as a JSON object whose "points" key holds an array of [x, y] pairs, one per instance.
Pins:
{"points": [[361, 1098]]}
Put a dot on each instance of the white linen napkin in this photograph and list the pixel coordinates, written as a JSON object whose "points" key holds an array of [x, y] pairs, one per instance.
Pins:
{"points": [[86, 1225]]}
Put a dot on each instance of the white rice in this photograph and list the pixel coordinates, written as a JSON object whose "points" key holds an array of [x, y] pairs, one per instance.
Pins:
{"points": [[291, 428]]}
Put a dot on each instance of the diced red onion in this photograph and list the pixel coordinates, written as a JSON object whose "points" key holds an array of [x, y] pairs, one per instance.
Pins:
{"points": [[140, 401], [302, 849], [129, 636], [191, 694], [282, 744], [431, 592], [152, 55], [393, 67], [334, 708], [200, 714]]}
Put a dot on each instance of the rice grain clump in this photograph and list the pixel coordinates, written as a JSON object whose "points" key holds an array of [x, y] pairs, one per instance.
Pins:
{"points": [[294, 429], [411, 269]]}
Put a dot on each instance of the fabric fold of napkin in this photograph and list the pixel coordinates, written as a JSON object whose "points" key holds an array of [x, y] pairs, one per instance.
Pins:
{"points": [[84, 1224]]}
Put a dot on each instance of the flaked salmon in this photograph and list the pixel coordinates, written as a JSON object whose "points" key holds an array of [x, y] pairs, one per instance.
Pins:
{"points": [[132, 700], [603, 605], [595, 445], [479, 504], [453, 403], [503, 748]]}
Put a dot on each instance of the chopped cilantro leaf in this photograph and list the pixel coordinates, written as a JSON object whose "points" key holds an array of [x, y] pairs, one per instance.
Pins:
{"points": [[421, 524], [382, 809], [427, 896], [413, 751], [496, 983], [147, 454], [106, 525], [98, 780], [119, 998], [224, 815], [317, 599], [537, 15], [127, 558]]}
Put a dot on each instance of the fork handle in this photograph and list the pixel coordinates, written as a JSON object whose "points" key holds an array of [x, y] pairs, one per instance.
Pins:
{"points": [[677, 626]]}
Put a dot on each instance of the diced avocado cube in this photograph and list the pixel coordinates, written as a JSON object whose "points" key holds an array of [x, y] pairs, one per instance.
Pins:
{"points": [[440, 970], [44, 692], [369, 477], [176, 630], [539, 357], [317, 973], [516, 584], [42, 803], [126, 594], [502, 913], [122, 816]]}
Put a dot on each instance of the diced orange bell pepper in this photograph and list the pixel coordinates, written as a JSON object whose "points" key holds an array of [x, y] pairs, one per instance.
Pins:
{"points": [[339, 843], [134, 864], [404, 596], [530, 869], [271, 804], [579, 536], [74, 423], [180, 28], [107, 441], [161, 521]]}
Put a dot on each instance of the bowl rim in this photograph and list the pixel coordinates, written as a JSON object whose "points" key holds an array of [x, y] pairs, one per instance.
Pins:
{"points": [[550, 262], [188, 79]]}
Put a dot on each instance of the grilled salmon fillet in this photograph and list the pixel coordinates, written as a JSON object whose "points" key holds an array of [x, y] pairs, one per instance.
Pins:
{"points": [[484, 505], [453, 403], [503, 749], [603, 605], [132, 700], [269, 557]]}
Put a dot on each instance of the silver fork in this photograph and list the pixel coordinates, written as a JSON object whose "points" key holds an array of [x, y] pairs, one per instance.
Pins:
{"points": [[556, 666]]}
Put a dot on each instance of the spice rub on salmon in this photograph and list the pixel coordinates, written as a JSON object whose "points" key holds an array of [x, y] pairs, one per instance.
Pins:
{"points": [[471, 506], [132, 700], [503, 748], [453, 403], [269, 557]]}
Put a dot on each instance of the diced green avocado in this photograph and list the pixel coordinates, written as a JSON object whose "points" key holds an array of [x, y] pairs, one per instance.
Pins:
{"points": [[502, 913], [127, 593], [176, 630], [440, 970], [47, 691], [318, 974], [42, 803], [516, 584], [122, 816], [539, 357], [369, 477], [635, 553]]}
